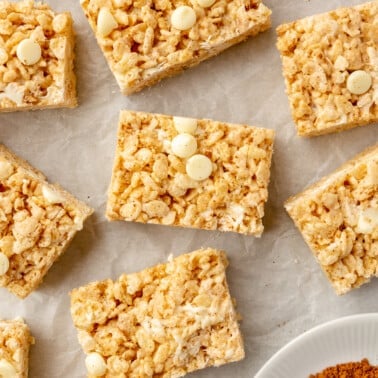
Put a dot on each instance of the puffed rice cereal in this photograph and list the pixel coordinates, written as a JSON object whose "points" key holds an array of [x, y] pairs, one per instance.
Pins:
{"points": [[15, 341], [224, 186], [38, 220], [36, 57], [165, 321], [144, 42], [338, 218], [322, 56]]}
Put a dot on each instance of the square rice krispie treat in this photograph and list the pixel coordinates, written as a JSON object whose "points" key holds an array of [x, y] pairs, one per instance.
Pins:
{"points": [[330, 65], [165, 321], [145, 41], [190, 173], [15, 341], [36, 57], [338, 218], [38, 220]]}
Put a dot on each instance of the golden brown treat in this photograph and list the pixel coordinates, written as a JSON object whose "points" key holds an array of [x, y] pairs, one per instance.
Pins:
{"points": [[319, 53], [48, 83], [150, 183], [142, 47], [164, 321], [38, 220], [338, 218], [15, 341]]}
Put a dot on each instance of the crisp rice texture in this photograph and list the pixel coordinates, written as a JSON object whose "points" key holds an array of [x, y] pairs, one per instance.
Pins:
{"points": [[49, 83], [318, 54], [150, 184], [15, 341], [37, 222], [338, 218], [145, 48], [165, 321]]}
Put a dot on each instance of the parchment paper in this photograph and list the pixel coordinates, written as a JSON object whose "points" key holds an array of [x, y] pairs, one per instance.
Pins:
{"points": [[279, 288]]}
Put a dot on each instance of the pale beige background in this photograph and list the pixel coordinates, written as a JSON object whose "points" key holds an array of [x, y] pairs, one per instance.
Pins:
{"points": [[279, 288]]}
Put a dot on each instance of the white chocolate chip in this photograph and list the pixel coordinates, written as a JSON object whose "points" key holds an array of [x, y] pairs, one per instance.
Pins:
{"points": [[106, 22], [184, 145], [183, 18], [95, 364], [359, 82], [199, 167], [368, 221], [185, 125], [205, 3], [29, 52], [51, 195], [4, 267], [7, 370]]}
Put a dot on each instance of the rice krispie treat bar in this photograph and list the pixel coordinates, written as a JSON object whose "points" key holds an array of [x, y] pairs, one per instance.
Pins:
{"points": [[144, 42], [36, 57], [190, 173], [165, 321], [15, 341], [37, 222], [330, 65], [338, 218]]}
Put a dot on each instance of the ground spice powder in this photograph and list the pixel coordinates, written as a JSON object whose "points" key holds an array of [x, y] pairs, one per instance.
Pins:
{"points": [[361, 369]]}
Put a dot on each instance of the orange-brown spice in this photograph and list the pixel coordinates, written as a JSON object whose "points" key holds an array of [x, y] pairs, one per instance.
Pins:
{"points": [[361, 369]]}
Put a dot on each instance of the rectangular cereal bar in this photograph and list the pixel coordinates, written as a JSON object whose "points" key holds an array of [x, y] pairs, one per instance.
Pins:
{"points": [[38, 220], [165, 321], [152, 184], [144, 42], [15, 341], [330, 65], [36, 57], [338, 218]]}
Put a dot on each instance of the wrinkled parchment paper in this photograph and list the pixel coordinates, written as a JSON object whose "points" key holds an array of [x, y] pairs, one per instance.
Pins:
{"points": [[279, 288]]}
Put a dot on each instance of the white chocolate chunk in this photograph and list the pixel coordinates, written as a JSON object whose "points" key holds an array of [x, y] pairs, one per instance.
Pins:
{"points": [[4, 267], [183, 18], [368, 221], [51, 195], [205, 3], [29, 52], [106, 22], [185, 125], [184, 145], [95, 364], [7, 370], [359, 82], [199, 167]]}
